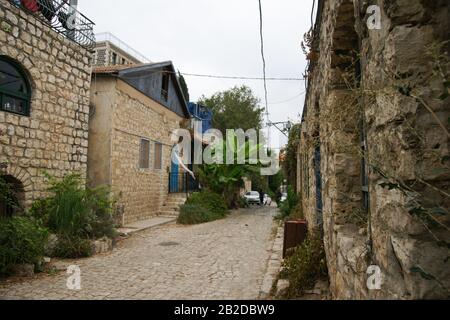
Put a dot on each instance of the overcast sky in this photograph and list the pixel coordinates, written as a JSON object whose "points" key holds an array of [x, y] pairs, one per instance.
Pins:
{"points": [[219, 38]]}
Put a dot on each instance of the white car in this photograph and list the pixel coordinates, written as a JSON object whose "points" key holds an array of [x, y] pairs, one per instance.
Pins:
{"points": [[252, 197], [283, 197]]}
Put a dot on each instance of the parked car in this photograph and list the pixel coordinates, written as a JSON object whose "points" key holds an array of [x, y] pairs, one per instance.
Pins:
{"points": [[252, 197], [283, 197]]}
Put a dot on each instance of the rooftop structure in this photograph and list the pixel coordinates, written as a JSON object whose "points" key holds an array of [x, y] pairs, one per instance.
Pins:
{"points": [[110, 51]]}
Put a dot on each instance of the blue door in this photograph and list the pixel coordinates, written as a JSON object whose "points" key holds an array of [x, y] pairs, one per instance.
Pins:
{"points": [[174, 176]]}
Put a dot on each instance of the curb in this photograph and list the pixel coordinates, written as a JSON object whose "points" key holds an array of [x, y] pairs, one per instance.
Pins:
{"points": [[274, 265]]}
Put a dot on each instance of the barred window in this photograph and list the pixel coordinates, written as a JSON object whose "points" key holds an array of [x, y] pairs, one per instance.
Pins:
{"points": [[15, 89], [144, 156]]}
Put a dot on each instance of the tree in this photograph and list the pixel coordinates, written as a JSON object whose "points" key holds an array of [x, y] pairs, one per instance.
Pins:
{"points": [[183, 85], [290, 162], [237, 108], [227, 179]]}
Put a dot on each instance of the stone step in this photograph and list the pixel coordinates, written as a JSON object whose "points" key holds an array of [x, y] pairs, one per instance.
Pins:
{"points": [[164, 213], [171, 207], [176, 200]]}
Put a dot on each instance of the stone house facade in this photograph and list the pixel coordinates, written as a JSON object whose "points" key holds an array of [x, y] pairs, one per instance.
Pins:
{"points": [[135, 111], [374, 152], [44, 92], [110, 50]]}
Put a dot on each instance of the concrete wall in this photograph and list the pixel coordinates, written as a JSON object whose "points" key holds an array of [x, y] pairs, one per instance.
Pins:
{"points": [[54, 137], [405, 156], [128, 116]]}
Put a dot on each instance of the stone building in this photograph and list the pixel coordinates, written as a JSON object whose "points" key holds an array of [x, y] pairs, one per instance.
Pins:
{"points": [[134, 112], [110, 50], [44, 96], [374, 155]]}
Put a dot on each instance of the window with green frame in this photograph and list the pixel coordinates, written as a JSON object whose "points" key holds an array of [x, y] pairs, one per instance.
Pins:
{"points": [[15, 89]]}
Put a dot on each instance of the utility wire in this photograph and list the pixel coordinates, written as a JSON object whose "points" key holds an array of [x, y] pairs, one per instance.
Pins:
{"points": [[261, 34], [263, 58], [241, 78], [225, 77], [288, 100]]}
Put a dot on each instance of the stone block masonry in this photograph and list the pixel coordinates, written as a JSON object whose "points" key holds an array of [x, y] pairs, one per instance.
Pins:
{"points": [[374, 154], [54, 137]]}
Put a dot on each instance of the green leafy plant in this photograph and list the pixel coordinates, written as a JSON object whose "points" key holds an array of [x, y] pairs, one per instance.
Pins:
{"points": [[73, 247], [75, 214], [7, 195], [286, 207], [74, 210], [22, 241], [305, 266], [195, 214], [203, 207], [228, 179], [210, 200]]}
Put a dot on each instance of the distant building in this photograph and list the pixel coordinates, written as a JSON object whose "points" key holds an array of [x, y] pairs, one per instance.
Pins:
{"points": [[111, 51], [135, 111]]}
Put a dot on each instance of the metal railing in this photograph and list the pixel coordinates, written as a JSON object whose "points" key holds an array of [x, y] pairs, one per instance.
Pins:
{"points": [[182, 183], [109, 37], [63, 18]]}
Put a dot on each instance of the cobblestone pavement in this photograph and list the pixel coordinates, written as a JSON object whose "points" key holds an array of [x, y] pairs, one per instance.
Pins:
{"points": [[225, 259]]}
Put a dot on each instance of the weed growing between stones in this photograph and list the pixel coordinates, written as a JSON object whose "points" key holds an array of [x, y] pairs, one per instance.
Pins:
{"points": [[305, 266]]}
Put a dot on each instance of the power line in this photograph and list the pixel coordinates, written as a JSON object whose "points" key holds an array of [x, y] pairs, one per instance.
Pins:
{"points": [[263, 57], [269, 123], [288, 100], [240, 77]]}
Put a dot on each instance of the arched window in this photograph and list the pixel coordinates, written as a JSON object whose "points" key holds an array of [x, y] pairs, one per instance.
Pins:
{"points": [[15, 89]]}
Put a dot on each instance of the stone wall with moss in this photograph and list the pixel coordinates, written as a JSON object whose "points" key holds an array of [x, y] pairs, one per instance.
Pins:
{"points": [[54, 138], [378, 111]]}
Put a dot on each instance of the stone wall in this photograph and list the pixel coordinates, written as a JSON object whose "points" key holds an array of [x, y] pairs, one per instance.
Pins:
{"points": [[123, 116], [375, 113], [54, 137]]}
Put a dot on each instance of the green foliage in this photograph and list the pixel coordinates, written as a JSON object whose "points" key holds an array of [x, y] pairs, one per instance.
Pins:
{"points": [[305, 266], [286, 207], [72, 247], [227, 179], [290, 162], [203, 207], [68, 209], [237, 108], [76, 214], [75, 211], [242, 203], [195, 214], [210, 200], [103, 206], [7, 195], [184, 86], [22, 241], [275, 182]]}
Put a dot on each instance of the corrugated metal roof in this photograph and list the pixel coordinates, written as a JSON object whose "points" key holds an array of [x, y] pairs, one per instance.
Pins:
{"points": [[132, 73]]}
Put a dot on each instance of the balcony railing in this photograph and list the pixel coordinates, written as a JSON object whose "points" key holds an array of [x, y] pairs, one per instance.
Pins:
{"points": [[182, 183], [63, 18]]}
